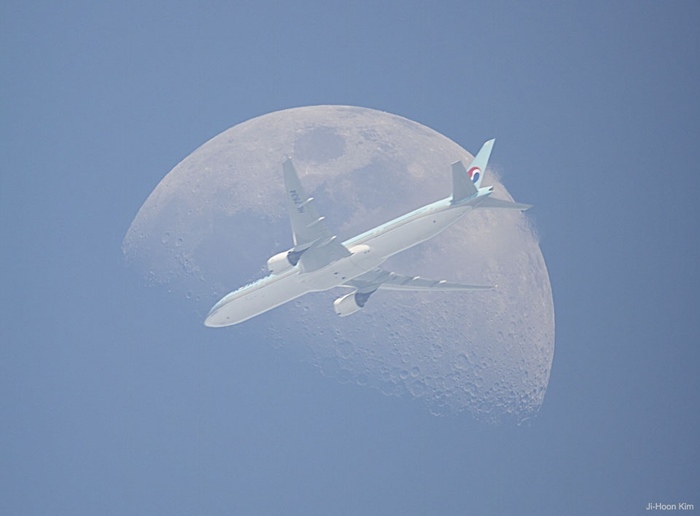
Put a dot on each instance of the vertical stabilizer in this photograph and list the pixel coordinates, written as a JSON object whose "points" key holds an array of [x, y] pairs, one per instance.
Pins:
{"points": [[477, 168], [466, 181]]}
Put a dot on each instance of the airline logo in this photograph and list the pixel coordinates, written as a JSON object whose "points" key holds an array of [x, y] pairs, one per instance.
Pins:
{"points": [[474, 174], [296, 199]]}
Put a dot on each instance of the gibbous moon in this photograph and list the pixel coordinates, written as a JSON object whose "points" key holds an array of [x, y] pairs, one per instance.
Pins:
{"points": [[214, 220]]}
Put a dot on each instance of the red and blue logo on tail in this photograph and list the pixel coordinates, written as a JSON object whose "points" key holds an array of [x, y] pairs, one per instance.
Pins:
{"points": [[474, 174]]}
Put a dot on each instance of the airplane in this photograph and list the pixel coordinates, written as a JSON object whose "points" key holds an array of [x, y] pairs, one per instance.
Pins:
{"points": [[319, 262]]}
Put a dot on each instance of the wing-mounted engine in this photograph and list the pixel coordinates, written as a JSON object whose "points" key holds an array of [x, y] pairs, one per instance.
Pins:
{"points": [[351, 303], [283, 261]]}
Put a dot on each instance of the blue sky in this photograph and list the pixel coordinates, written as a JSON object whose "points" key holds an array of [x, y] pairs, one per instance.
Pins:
{"points": [[115, 400]]}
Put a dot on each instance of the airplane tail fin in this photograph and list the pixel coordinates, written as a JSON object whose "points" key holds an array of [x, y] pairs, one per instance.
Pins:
{"points": [[466, 182], [477, 167]]}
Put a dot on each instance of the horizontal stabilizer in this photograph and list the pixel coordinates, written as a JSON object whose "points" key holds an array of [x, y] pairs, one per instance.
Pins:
{"points": [[490, 202], [462, 187]]}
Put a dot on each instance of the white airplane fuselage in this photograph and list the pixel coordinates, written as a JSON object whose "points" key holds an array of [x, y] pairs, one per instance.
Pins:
{"points": [[368, 250]]}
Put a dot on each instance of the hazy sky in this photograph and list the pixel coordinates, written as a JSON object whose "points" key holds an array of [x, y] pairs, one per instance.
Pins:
{"points": [[114, 399]]}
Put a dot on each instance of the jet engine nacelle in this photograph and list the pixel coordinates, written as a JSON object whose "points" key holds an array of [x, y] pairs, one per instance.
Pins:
{"points": [[279, 263], [346, 305], [350, 303]]}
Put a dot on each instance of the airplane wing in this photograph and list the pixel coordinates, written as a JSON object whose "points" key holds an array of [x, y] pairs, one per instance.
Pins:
{"points": [[314, 245], [381, 279]]}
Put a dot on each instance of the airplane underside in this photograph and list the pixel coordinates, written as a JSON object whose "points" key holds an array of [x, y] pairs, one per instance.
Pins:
{"points": [[318, 262]]}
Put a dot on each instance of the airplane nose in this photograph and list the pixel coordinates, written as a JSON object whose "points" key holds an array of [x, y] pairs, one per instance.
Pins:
{"points": [[215, 322], [211, 318]]}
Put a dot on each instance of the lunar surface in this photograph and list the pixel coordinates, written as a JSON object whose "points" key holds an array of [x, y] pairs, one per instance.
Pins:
{"points": [[214, 220]]}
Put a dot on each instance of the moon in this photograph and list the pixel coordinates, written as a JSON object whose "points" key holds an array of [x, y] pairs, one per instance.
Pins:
{"points": [[213, 221]]}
